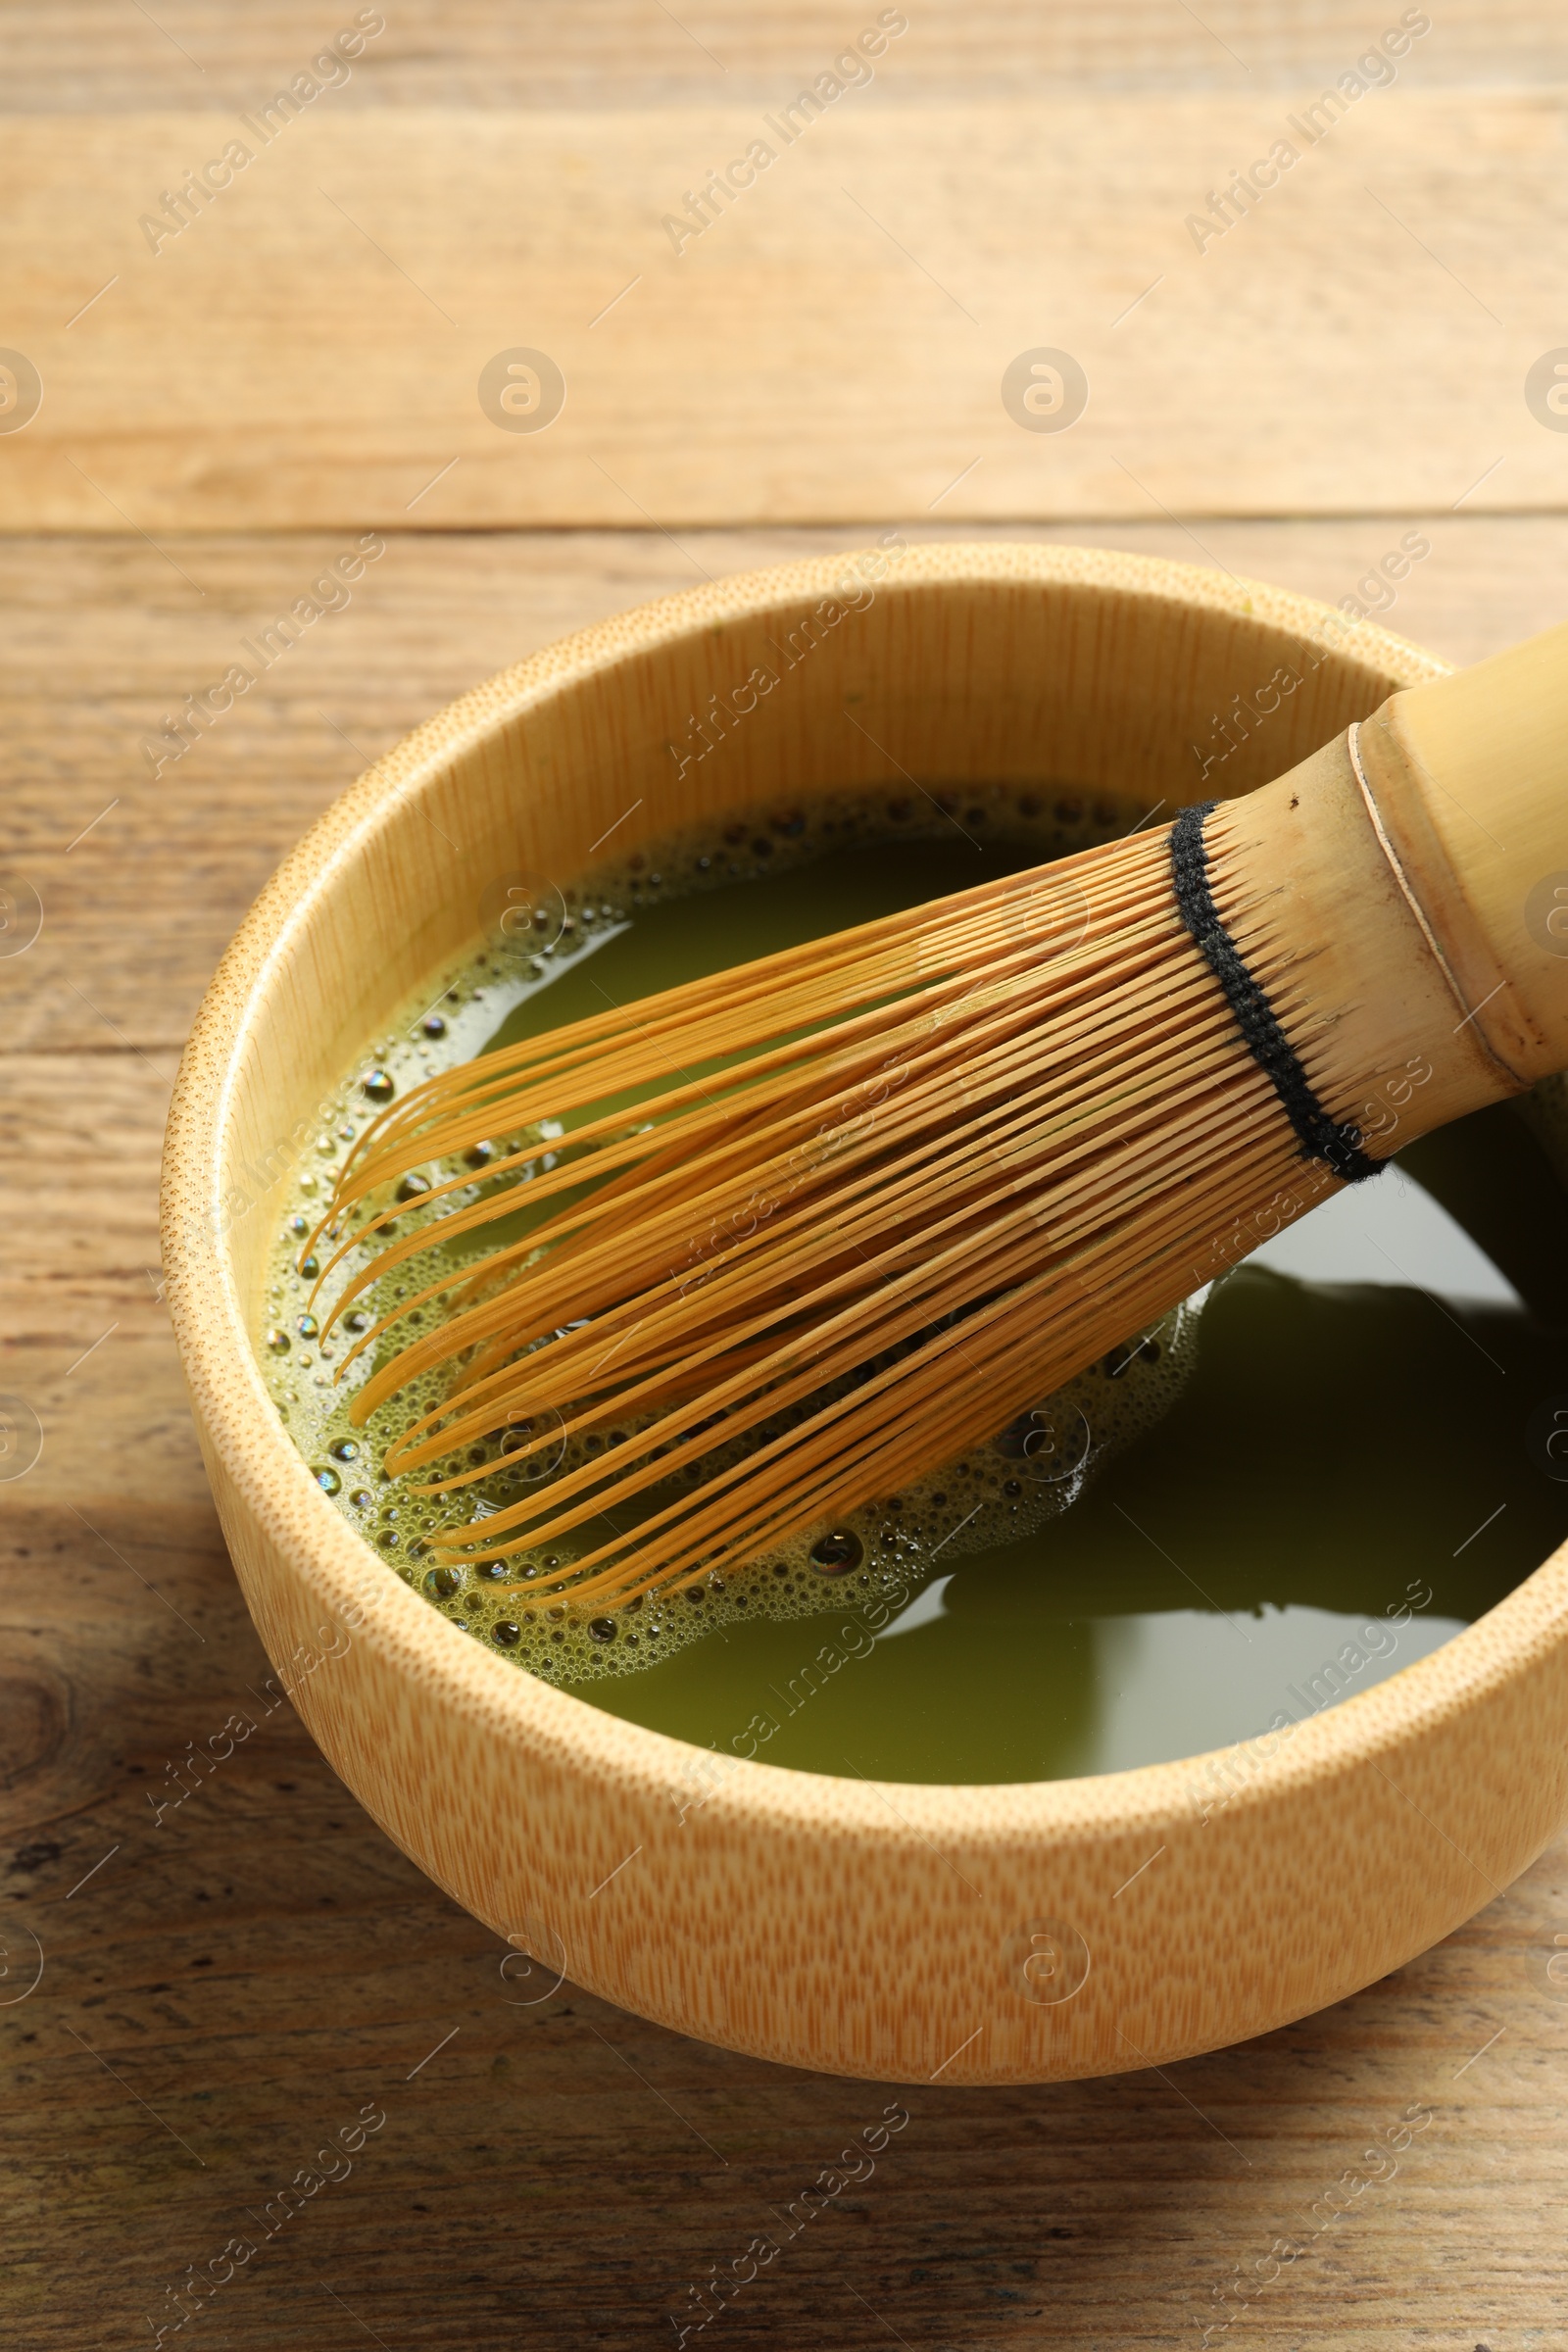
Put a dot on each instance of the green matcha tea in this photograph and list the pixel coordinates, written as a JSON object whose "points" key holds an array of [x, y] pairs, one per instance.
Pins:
{"points": [[1302, 1479]]}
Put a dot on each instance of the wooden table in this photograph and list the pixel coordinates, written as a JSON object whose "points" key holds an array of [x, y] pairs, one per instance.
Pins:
{"points": [[228, 1980]]}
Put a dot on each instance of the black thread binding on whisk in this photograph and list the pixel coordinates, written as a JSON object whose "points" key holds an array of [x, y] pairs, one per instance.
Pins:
{"points": [[1319, 1136]]}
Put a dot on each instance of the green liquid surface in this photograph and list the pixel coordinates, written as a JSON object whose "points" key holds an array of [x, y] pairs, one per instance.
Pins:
{"points": [[1324, 1471], [1327, 1481]]}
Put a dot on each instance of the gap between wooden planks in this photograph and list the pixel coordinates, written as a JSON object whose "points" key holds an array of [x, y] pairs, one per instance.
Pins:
{"points": [[306, 351]]}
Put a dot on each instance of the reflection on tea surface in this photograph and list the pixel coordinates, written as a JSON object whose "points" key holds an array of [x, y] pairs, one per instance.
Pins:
{"points": [[1344, 1483]]}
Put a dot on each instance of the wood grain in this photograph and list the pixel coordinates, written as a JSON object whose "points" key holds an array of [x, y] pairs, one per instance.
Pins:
{"points": [[307, 353], [545, 2191], [97, 56]]}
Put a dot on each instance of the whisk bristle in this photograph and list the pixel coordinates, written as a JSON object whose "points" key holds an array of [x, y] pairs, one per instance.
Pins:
{"points": [[814, 1225]]}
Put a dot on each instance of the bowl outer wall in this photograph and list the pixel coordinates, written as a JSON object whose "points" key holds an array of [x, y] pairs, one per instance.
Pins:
{"points": [[855, 1928]]}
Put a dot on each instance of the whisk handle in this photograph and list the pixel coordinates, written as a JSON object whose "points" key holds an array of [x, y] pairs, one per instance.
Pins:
{"points": [[1466, 783]]}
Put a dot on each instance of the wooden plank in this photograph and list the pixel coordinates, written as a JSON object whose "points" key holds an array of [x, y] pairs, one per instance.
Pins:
{"points": [[257, 1963], [99, 56], [100, 639], [141, 882], [307, 352]]}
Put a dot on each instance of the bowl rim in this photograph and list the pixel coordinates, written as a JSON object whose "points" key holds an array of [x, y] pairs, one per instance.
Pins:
{"points": [[271, 1477]]}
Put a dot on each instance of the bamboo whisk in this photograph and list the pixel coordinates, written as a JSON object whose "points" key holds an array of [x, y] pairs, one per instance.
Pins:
{"points": [[822, 1221]]}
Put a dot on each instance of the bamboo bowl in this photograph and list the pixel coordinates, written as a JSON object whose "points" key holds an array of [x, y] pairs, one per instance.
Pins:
{"points": [[960, 1934]]}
